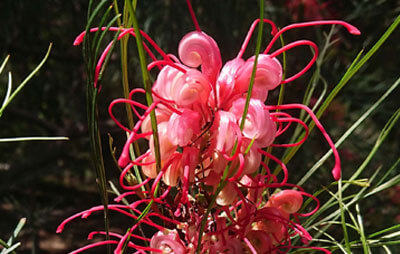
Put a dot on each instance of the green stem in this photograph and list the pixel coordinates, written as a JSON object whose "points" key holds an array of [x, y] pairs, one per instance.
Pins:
{"points": [[253, 73], [147, 84], [342, 216], [125, 78]]}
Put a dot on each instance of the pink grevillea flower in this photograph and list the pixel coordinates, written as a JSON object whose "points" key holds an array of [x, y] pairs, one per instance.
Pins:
{"points": [[182, 128], [197, 48], [168, 242], [268, 76], [199, 104], [226, 130], [259, 125], [162, 115], [226, 89], [258, 241], [227, 195], [287, 201], [173, 173], [231, 246], [167, 147]]}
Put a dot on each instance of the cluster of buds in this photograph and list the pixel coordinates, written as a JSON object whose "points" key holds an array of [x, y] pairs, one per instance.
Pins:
{"points": [[206, 183]]}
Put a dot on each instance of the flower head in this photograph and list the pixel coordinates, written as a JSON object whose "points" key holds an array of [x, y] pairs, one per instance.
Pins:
{"points": [[213, 173]]}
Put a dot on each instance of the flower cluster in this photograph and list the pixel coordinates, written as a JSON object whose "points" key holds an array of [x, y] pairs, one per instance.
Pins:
{"points": [[205, 179]]}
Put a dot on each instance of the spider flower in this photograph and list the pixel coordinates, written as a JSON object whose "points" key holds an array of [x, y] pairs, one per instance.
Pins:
{"points": [[213, 176]]}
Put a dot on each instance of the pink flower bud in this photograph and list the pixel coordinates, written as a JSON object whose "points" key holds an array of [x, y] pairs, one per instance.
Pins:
{"points": [[225, 134], [168, 242], [253, 193], [197, 48], [149, 170], [190, 158], [166, 147], [173, 172], [260, 241], [288, 201], [166, 80], [219, 163], [231, 246], [162, 115], [227, 195], [258, 125], [181, 128], [190, 88], [225, 87], [252, 159], [272, 221], [268, 76], [212, 179]]}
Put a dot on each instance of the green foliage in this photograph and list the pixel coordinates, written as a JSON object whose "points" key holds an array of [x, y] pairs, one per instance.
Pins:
{"points": [[10, 95], [10, 246]]}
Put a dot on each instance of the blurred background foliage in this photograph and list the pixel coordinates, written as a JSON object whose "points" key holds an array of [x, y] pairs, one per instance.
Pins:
{"points": [[48, 181]]}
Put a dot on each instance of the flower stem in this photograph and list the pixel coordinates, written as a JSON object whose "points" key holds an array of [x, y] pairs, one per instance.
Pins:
{"points": [[146, 83], [253, 73]]}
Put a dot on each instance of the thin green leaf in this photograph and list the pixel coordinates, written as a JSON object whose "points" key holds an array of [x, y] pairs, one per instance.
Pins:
{"points": [[392, 182], [125, 68], [290, 152], [311, 86], [333, 241], [87, 52], [93, 15], [117, 193], [5, 246], [361, 231], [342, 215], [19, 139], [11, 249], [337, 223], [391, 235], [3, 65], [103, 34], [96, 40], [8, 247], [387, 250], [92, 111], [115, 6], [384, 231], [103, 67], [9, 87], [29, 77], [358, 64], [382, 136], [388, 172]]}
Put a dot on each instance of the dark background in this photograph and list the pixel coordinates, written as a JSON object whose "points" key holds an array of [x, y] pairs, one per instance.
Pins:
{"points": [[48, 181]]}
